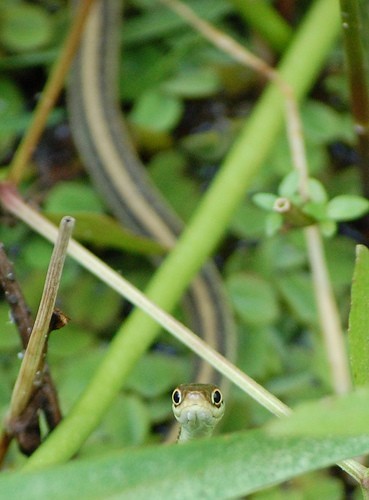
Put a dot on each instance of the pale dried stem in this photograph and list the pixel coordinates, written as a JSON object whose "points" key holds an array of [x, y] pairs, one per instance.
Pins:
{"points": [[32, 364], [14, 204]]}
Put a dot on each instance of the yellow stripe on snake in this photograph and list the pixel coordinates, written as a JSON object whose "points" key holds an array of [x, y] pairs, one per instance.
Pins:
{"points": [[103, 142]]}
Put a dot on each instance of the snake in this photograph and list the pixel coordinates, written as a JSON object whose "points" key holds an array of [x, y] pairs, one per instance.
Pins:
{"points": [[103, 142], [197, 408]]}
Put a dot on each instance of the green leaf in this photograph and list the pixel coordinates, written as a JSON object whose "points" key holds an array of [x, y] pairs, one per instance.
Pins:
{"points": [[155, 110], [296, 289], [248, 221], [253, 299], [11, 107], [157, 22], [168, 371], [25, 27], [289, 185], [334, 416], [69, 341], [138, 74], [358, 322], [195, 83], [69, 197], [265, 200], [323, 124], [103, 231], [328, 228], [316, 210], [273, 223], [209, 146], [317, 192], [223, 467], [168, 171], [79, 300], [9, 337], [347, 207], [127, 423]]}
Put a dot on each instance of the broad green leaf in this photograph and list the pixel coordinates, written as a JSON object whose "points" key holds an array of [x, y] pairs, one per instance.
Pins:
{"points": [[168, 171], [9, 337], [25, 27], [72, 340], [138, 74], [316, 210], [161, 21], [103, 231], [11, 108], [127, 423], [347, 207], [194, 83], [317, 192], [323, 124], [340, 252], [73, 197], [248, 221], [308, 487], [273, 223], [328, 228], [296, 289], [80, 299], [280, 254], [156, 110], [334, 416], [289, 185], [253, 299], [358, 322], [168, 371], [257, 352], [209, 146], [223, 467], [265, 200]]}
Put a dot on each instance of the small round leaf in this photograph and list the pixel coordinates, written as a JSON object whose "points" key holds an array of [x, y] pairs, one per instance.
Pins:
{"points": [[253, 299], [156, 111], [265, 200], [25, 27], [347, 207]]}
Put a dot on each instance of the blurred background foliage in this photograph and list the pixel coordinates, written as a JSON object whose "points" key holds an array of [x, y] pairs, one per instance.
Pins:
{"points": [[184, 102]]}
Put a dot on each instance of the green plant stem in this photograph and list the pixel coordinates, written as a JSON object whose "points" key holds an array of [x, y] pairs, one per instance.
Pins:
{"points": [[299, 68], [357, 69], [327, 308], [50, 94], [266, 21]]}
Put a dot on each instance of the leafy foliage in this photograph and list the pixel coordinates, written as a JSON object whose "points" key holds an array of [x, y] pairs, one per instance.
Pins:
{"points": [[186, 103]]}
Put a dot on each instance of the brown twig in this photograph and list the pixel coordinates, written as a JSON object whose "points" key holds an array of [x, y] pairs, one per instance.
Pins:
{"points": [[26, 430]]}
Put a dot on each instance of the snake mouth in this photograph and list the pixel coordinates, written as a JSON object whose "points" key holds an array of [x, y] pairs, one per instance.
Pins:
{"points": [[197, 416]]}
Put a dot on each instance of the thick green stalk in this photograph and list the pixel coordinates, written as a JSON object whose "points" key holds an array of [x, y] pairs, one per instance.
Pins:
{"points": [[300, 67], [266, 21]]}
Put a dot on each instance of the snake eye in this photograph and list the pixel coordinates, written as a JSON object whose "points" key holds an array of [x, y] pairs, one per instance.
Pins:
{"points": [[216, 397], [176, 397]]}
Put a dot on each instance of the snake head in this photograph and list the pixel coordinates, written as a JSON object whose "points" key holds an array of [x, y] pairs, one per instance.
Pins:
{"points": [[197, 408]]}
